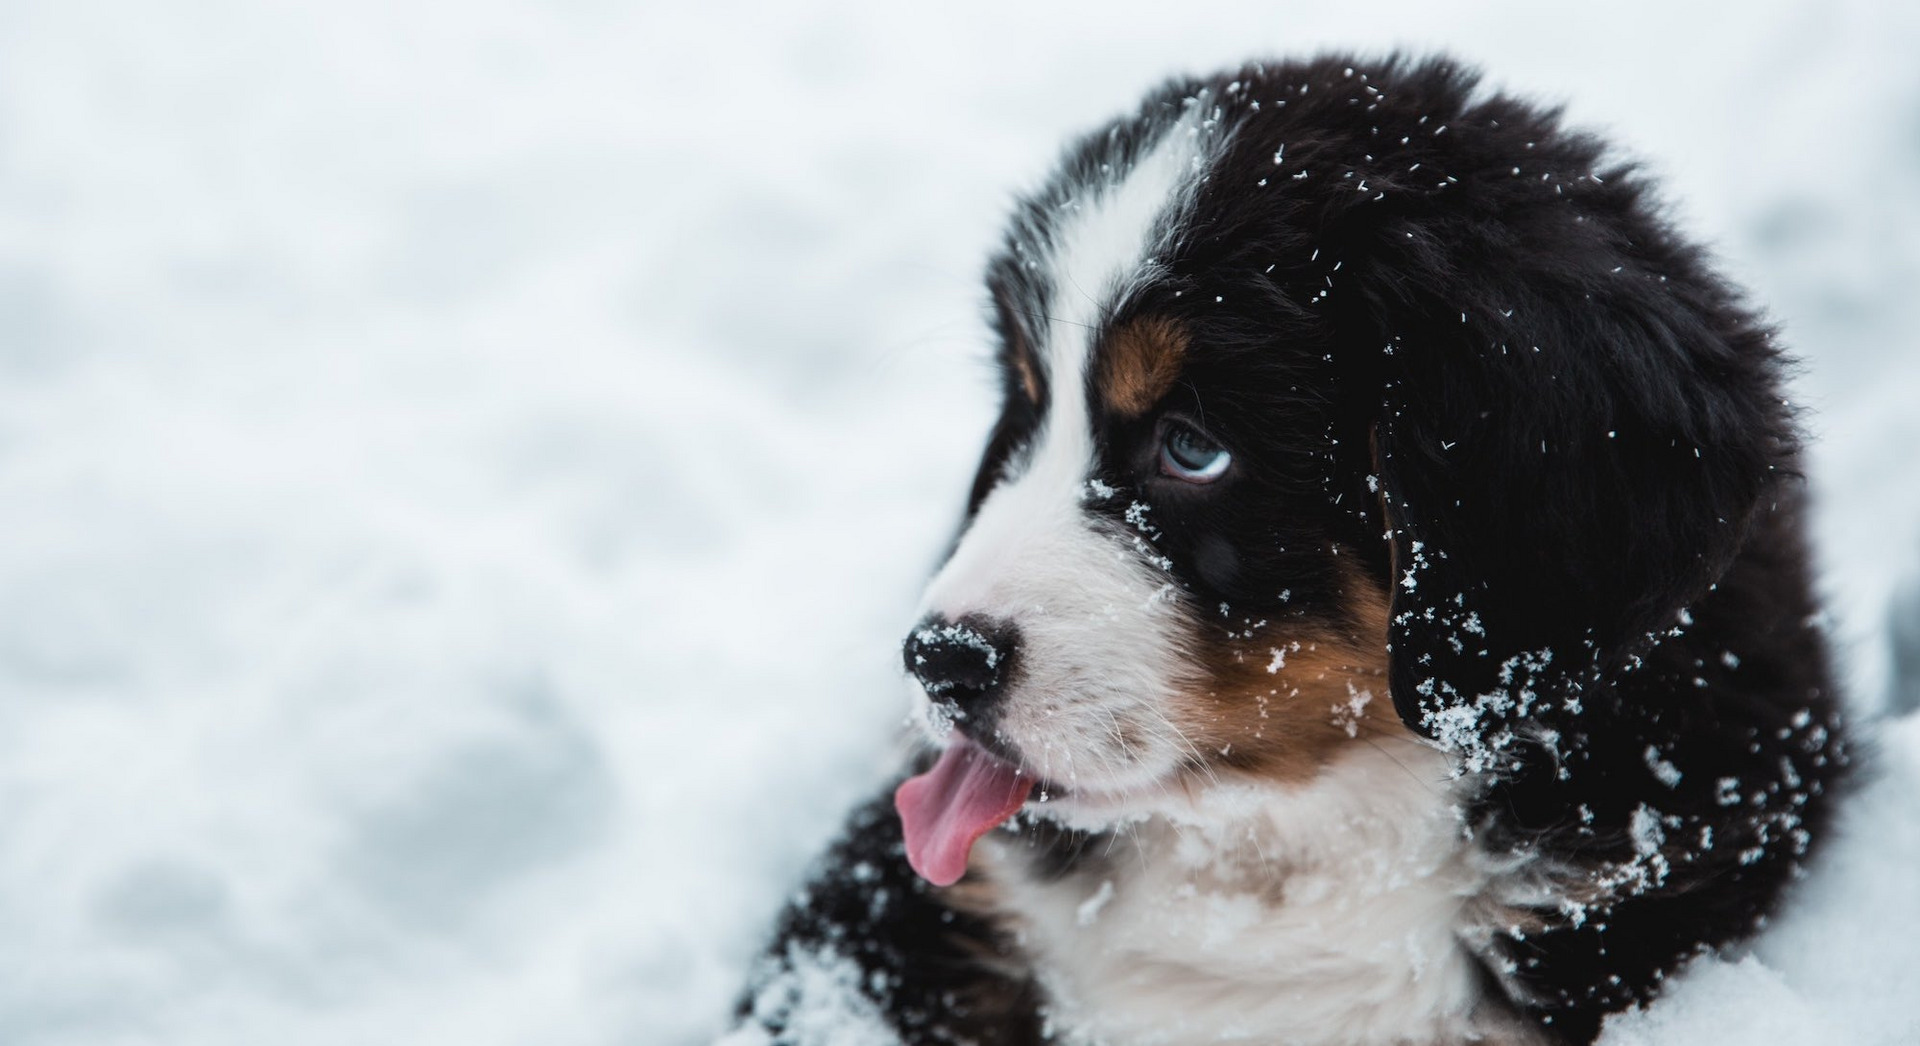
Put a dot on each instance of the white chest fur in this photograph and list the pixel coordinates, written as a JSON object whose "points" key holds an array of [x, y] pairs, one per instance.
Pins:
{"points": [[1336, 912]]}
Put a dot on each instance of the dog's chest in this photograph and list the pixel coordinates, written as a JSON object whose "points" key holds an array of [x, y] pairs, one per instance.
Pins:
{"points": [[1324, 916]]}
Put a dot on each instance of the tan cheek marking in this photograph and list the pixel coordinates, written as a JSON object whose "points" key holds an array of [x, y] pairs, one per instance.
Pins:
{"points": [[1139, 364], [1281, 703]]}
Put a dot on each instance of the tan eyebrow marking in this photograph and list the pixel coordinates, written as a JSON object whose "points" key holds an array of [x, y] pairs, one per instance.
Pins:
{"points": [[1023, 366], [1019, 352], [1139, 364]]}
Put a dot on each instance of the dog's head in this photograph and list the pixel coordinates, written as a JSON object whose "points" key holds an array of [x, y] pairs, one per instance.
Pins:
{"points": [[1339, 398]]}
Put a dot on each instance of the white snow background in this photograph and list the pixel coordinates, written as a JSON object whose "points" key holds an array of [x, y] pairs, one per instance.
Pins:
{"points": [[465, 467]]}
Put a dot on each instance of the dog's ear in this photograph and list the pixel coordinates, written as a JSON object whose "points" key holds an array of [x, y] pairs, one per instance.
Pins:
{"points": [[1576, 421]]}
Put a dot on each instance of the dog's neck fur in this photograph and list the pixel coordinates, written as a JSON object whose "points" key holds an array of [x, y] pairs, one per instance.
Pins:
{"points": [[1343, 911]]}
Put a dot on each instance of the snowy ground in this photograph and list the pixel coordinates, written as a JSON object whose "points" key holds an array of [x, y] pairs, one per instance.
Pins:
{"points": [[464, 468]]}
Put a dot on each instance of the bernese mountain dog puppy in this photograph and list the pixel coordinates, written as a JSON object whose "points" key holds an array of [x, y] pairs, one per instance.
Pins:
{"points": [[1381, 614]]}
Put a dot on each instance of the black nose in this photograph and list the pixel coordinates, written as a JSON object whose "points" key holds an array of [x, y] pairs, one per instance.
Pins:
{"points": [[960, 661]]}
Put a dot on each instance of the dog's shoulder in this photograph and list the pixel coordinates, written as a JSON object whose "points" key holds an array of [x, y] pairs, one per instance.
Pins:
{"points": [[868, 949]]}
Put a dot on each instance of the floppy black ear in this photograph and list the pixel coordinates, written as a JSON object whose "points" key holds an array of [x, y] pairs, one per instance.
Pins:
{"points": [[1577, 421]]}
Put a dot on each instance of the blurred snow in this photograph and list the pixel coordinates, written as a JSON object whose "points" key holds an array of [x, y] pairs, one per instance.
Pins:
{"points": [[464, 467]]}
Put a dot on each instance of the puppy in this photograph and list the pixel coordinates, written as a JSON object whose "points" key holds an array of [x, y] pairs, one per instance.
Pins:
{"points": [[1381, 613]]}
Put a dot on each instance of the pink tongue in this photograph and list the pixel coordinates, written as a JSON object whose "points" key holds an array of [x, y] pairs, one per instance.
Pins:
{"points": [[962, 798]]}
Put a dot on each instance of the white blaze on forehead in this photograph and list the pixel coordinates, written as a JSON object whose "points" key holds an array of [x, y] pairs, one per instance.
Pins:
{"points": [[1108, 241], [1108, 238], [1099, 631], [1103, 244]]}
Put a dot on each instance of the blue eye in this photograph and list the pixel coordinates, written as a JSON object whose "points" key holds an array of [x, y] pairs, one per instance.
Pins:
{"points": [[1186, 454]]}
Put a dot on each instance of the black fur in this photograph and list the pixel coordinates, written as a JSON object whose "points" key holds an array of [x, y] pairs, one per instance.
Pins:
{"points": [[939, 975], [1449, 338]]}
